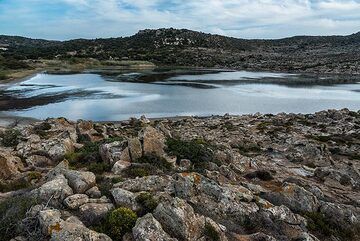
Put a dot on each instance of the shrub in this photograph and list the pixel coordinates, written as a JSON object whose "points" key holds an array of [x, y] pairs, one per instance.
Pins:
{"points": [[41, 129], [10, 138], [12, 211], [211, 233], [14, 185], [197, 151], [3, 76], [133, 172], [99, 167], [156, 161], [118, 222], [261, 174], [147, 202]]}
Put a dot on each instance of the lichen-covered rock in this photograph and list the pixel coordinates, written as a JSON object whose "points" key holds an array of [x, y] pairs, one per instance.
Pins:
{"points": [[345, 216], [54, 191], [179, 219], [93, 213], [296, 198], [148, 183], [147, 228], [86, 131], [10, 166], [113, 152], [93, 192], [120, 166], [125, 198], [135, 148], [38, 161], [80, 181], [75, 201], [59, 230], [153, 141]]}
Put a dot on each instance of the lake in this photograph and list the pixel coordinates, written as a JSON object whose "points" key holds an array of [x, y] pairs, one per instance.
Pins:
{"points": [[102, 97]]}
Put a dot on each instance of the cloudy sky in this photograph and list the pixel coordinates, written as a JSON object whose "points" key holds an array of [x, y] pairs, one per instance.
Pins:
{"points": [[66, 19]]}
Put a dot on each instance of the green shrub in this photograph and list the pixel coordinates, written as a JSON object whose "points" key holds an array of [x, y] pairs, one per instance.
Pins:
{"points": [[34, 175], [155, 161], [249, 149], [118, 222], [3, 76], [41, 129], [197, 151], [10, 138], [211, 233], [99, 167], [14, 185], [147, 202], [12, 211], [133, 172]]}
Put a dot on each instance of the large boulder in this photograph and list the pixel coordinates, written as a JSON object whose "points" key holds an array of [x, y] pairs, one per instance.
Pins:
{"points": [[125, 198], [345, 216], [76, 200], [148, 184], [147, 228], [153, 141], [80, 181], [54, 191], [115, 151], [94, 213], [135, 148], [10, 166], [293, 196], [59, 230], [179, 219]]}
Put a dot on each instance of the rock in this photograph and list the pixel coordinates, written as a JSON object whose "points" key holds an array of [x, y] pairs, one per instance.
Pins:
{"points": [[135, 148], [54, 191], [120, 166], [60, 230], [148, 184], [80, 181], [147, 228], [38, 161], [345, 216], [253, 237], [125, 198], [185, 164], [153, 141], [219, 229], [112, 152], [179, 220], [76, 200], [93, 213], [10, 166], [93, 192], [86, 131], [296, 198]]}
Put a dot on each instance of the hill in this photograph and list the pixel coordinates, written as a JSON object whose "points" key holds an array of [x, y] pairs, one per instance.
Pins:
{"points": [[182, 47]]}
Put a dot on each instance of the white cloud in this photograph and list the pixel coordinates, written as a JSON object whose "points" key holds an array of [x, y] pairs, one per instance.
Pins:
{"points": [[239, 18]]}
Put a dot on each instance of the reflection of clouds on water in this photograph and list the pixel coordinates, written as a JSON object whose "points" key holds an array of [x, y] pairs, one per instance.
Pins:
{"points": [[89, 96]]}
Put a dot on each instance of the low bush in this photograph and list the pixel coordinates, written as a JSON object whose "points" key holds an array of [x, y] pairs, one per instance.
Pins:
{"points": [[10, 138], [41, 129], [155, 161], [117, 223], [99, 167], [3, 76], [12, 211], [147, 202], [134, 171], [211, 233], [197, 151], [14, 185]]}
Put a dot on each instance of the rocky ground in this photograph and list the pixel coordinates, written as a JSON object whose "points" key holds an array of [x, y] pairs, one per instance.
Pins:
{"points": [[251, 177]]}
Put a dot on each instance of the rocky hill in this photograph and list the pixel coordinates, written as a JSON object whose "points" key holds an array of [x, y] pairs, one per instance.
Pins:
{"points": [[328, 54], [252, 177]]}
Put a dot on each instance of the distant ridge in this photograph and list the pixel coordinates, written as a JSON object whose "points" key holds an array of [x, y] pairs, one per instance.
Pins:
{"points": [[327, 54]]}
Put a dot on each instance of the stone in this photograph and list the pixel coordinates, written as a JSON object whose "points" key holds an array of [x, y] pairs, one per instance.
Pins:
{"points": [[153, 141], [86, 131], [148, 184], [345, 216], [93, 213], [147, 228], [179, 219], [185, 164], [296, 198], [80, 181], [75, 201], [38, 161], [54, 191], [59, 230], [125, 198], [93, 192], [112, 152], [120, 166], [135, 148], [10, 166]]}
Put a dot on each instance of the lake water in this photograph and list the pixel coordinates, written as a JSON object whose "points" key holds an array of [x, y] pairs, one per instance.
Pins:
{"points": [[111, 98]]}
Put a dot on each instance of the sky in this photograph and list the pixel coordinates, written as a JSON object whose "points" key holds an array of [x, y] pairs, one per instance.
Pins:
{"points": [[69, 19]]}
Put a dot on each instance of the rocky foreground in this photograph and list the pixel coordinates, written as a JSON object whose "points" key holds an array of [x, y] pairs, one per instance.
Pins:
{"points": [[251, 177]]}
